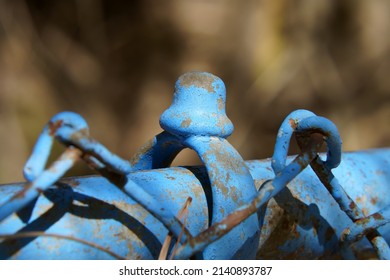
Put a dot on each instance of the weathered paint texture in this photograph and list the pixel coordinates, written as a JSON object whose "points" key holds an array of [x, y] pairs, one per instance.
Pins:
{"points": [[279, 208]]}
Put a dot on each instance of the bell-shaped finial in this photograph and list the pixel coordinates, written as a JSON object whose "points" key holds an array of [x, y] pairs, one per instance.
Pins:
{"points": [[198, 107]]}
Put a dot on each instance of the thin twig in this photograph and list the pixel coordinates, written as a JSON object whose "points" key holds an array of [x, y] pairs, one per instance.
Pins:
{"points": [[164, 249], [53, 235], [183, 213]]}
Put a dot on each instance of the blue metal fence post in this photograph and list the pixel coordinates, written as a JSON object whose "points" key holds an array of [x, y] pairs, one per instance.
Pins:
{"points": [[275, 208], [197, 120]]}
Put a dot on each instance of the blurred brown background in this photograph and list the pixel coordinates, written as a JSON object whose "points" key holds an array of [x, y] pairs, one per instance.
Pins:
{"points": [[116, 62]]}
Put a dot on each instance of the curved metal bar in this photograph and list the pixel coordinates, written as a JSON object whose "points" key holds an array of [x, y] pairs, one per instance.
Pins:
{"points": [[158, 152], [232, 186], [47, 178], [71, 129], [283, 138], [41, 151], [81, 140], [304, 121]]}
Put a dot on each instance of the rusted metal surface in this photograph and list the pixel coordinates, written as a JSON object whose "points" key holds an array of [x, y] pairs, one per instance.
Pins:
{"points": [[276, 209], [303, 222]]}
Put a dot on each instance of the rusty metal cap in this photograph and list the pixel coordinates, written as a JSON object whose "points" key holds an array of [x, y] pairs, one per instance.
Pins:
{"points": [[198, 107]]}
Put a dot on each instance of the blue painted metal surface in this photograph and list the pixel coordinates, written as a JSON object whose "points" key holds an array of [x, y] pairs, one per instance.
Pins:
{"points": [[277, 208], [197, 120]]}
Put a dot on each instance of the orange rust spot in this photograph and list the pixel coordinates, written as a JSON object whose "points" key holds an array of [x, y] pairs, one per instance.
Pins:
{"points": [[344, 234], [292, 123], [186, 123], [198, 80], [54, 126], [361, 199], [22, 193], [378, 216], [374, 200]]}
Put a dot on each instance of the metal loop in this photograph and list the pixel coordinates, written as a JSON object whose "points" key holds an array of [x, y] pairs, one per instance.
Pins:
{"points": [[285, 133], [332, 137], [72, 130], [34, 171], [304, 121], [41, 151]]}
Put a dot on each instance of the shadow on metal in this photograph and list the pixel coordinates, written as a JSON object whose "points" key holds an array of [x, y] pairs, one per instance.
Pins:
{"points": [[311, 206]]}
